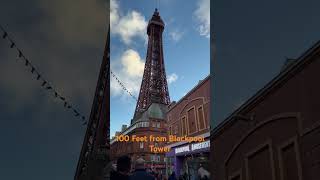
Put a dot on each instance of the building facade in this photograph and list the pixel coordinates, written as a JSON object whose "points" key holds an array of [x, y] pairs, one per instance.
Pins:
{"points": [[155, 126], [190, 117], [275, 135]]}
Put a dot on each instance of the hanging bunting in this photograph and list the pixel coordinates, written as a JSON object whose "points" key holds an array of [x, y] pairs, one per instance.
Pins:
{"points": [[123, 86], [5, 34], [12, 45], [27, 63], [44, 83], [38, 77], [20, 53]]}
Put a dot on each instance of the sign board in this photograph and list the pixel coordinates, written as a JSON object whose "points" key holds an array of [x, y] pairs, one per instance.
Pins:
{"points": [[192, 147]]}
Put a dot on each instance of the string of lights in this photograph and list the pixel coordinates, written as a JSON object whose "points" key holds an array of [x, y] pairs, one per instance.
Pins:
{"points": [[39, 77], [123, 86]]}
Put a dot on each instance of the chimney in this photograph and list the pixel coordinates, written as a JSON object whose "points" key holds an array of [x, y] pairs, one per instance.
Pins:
{"points": [[124, 127]]}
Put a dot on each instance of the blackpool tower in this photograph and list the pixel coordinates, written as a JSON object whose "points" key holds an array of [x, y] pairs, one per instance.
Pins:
{"points": [[154, 88], [150, 113]]}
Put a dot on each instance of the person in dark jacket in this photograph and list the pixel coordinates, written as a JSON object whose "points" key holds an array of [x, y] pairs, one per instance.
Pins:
{"points": [[172, 176], [140, 172], [123, 169]]}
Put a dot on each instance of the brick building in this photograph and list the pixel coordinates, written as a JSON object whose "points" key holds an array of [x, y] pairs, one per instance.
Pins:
{"points": [[190, 116], [153, 124], [275, 135]]}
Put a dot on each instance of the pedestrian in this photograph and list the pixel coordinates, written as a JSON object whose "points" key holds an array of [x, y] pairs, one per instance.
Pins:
{"points": [[140, 172], [203, 173], [172, 176], [122, 170], [159, 175]]}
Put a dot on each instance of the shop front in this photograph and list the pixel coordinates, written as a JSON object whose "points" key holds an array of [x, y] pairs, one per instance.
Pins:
{"points": [[185, 159]]}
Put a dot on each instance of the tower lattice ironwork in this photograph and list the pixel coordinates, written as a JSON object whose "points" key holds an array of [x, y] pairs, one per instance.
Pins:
{"points": [[94, 155], [154, 87]]}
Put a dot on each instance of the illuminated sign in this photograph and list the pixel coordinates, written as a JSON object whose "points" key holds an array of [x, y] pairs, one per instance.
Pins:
{"points": [[192, 147], [182, 149], [201, 145]]}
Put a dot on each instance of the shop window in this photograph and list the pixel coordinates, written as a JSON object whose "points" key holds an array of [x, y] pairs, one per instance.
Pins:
{"points": [[201, 118], [141, 145], [145, 124], [184, 126], [175, 130], [152, 157], [155, 158], [192, 128], [169, 118]]}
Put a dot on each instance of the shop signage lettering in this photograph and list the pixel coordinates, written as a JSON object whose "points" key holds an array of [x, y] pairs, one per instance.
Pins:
{"points": [[192, 147], [200, 145], [182, 149]]}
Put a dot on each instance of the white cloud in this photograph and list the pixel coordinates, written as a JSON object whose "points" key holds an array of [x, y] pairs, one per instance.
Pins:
{"points": [[129, 71], [202, 15], [133, 24], [114, 13], [172, 78], [132, 63], [176, 35]]}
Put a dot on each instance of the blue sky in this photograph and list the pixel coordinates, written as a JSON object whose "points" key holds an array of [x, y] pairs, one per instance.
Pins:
{"points": [[186, 49]]}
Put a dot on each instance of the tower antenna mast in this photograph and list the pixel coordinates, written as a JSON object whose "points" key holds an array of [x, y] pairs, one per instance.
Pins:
{"points": [[158, 4]]}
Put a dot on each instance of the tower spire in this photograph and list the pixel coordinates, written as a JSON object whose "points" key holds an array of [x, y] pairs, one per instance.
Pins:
{"points": [[157, 4], [154, 88]]}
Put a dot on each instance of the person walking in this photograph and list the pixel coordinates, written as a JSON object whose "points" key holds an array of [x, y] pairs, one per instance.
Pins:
{"points": [[172, 176], [140, 172], [203, 173], [122, 170]]}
